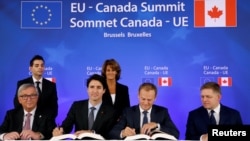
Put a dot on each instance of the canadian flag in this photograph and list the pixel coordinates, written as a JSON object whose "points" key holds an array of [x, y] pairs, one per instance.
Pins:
{"points": [[225, 81], [165, 81], [215, 13], [52, 79]]}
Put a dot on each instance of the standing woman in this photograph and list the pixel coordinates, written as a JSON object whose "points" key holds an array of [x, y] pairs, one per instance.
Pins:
{"points": [[117, 94]]}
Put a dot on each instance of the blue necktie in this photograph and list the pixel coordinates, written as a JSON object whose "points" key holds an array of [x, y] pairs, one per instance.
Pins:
{"points": [[145, 117], [212, 118]]}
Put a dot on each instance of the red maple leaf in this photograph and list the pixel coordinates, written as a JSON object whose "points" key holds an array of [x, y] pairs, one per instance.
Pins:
{"points": [[215, 13]]}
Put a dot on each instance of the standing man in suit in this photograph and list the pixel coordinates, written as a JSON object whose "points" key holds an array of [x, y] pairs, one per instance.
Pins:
{"points": [[39, 126], [47, 94], [80, 111], [199, 119], [132, 119]]}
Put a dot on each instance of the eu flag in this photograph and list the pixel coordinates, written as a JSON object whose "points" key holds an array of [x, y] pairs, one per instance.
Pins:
{"points": [[204, 80], [41, 14], [147, 80]]}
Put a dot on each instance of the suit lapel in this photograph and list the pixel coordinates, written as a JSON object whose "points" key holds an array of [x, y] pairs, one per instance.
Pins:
{"points": [[205, 115], [108, 97], [84, 114], [31, 80], [37, 120], [44, 85], [153, 115], [223, 115], [137, 118], [99, 117], [20, 119], [117, 95]]}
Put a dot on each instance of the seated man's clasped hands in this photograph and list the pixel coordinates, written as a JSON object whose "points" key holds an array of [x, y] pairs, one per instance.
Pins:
{"points": [[28, 121]]}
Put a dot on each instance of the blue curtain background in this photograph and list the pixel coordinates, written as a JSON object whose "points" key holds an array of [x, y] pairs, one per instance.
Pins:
{"points": [[72, 54]]}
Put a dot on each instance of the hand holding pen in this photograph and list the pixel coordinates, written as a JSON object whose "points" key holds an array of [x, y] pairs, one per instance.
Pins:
{"points": [[57, 131], [128, 132]]}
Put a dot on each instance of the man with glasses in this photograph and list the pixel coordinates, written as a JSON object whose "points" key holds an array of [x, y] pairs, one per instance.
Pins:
{"points": [[48, 100], [28, 122]]}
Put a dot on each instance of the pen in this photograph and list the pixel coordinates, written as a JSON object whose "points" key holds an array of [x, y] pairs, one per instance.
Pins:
{"points": [[58, 125]]}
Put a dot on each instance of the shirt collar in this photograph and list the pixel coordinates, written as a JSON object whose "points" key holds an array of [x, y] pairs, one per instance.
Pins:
{"points": [[141, 110], [96, 106], [216, 109], [40, 80], [32, 112]]}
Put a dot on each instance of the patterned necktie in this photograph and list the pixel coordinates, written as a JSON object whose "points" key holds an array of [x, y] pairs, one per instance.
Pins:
{"points": [[38, 88], [26, 125], [212, 118], [91, 117], [145, 117], [27, 122]]}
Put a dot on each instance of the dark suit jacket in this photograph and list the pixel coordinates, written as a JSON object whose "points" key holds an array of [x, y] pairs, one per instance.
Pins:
{"points": [[13, 121], [198, 121], [78, 117], [122, 100], [47, 101], [131, 118]]}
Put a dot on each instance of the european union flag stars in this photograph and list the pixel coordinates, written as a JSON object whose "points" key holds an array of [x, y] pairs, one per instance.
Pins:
{"points": [[41, 14]]}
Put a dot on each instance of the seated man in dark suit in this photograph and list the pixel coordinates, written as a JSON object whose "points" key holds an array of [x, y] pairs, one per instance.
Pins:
{"points": [[134, 121], [46, 89], [200, 118], [79, 114], [35, 126]]}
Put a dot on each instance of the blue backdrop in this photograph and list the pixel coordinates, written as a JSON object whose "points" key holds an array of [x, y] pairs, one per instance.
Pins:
{"points": [[151, 39]]}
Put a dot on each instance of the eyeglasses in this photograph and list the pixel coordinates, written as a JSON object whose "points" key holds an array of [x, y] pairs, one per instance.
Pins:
{"points": [[25, 97]]}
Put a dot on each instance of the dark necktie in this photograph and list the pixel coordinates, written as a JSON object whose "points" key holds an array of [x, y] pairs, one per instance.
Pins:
{"points": [[38, 88], [91, 117], [212, 118], [145, 117]]}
